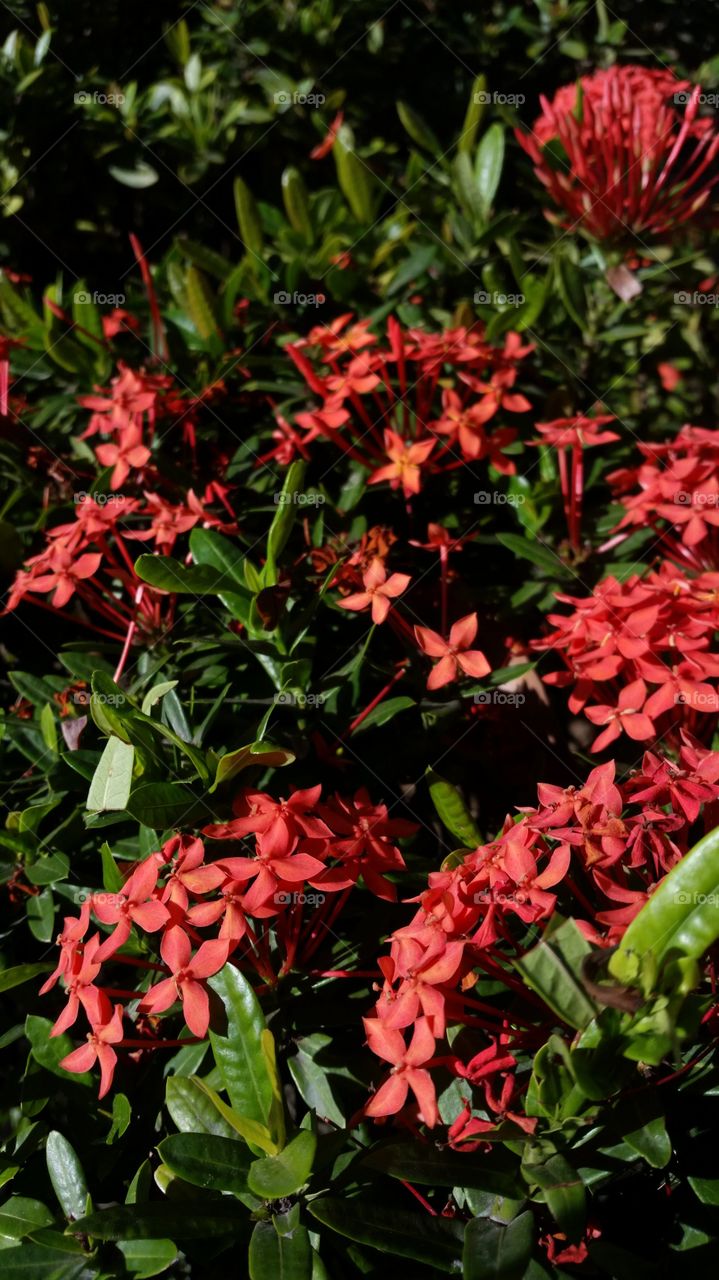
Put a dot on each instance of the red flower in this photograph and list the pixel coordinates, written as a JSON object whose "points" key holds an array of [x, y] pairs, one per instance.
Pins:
{"points": [[379, 591], [626, 716], [407, 1070], [324, 147], [129, 452], [188, 972], [577, 432], [455, 656], [106, 1032], [618, 152], [65, 571], [406, 460], [133, 905]]}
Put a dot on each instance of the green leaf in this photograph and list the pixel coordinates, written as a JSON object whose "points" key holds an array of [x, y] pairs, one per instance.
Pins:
{"points": [[200, 304], [680, 916], [274, 1177], [143, 175], [112, 779], [438, 1166], [66, 1175], [248, 219], [643, 1127], [205, 1160], [48, 728], [192, 1110], [476, 107], [279, 1257], [498, 1251], [186, 1220], [20, 973], [212, 548], [553, 969], [563, 1191], [20, 1216], [49, 1051], [256, 1135], [296, 201], [239, 1056], [281, 526], [385, 712], [153, 695], [571, 290], [488, 166], [532, 550], [30, 1261], [255, 753], [418, 129], [436, 1242], [167, 574], [452, 810], [355, 179], [145, 1258], [705, 1189]]}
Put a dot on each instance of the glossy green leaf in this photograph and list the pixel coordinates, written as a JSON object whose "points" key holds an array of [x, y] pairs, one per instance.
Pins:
{"points": [[296, 202], [452, 810], [208, 1161], [192, 1110], [239, 1056], [384, 712], [168, 574], [256, 1135], [248, 219], [563, 1191], [355, 179], [488, 166], [274, 1177], [66, 1175], [430, 1165], [263, 754], [146, 1258], [186, 1220], [279, 1257], [554, 970], [680, 916], [21, 973], [166, 804], [436, 1242], [19, 1216], [497, 1251]]}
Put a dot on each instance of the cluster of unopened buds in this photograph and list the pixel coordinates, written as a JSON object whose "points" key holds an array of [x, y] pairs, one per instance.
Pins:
{"points": [[254, 903], [602, 846]]}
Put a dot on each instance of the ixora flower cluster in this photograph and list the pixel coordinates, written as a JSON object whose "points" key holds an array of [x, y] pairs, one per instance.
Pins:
{"points": [[624, 150], [91, 557], [390, 406], [279, 898], [602, 847]]}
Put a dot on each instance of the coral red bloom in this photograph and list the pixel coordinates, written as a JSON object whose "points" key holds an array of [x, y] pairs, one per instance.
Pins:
{"points": [[379, 591], [455, 656], [577, 432], [626, 716], [133, 905], [106, 1032], [619, 152], [127, 454], [186, 983], [404, 469], [408, 1071]]}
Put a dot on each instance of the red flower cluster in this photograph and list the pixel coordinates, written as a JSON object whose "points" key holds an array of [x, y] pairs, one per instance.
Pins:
{"points": [[678, 486], [88, 556], [624, 150], [641, 650], [381, 402], [604, 842], [176, 892]]}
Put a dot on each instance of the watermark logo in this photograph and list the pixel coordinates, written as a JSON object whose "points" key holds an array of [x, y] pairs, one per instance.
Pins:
{"points": [[285, 898], [498, 698], [298, 499], [483, 298], [83, 299], [683, 99], [485, 99], [495, 498], [684, 499], [685, 899], [686, 299], [286, 699], [284, 299], [284, 98], [98, 499], [84, 96], [82, 699]]}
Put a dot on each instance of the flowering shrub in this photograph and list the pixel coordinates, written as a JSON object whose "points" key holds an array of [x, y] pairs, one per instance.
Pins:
{"points": [[359, 726]]}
